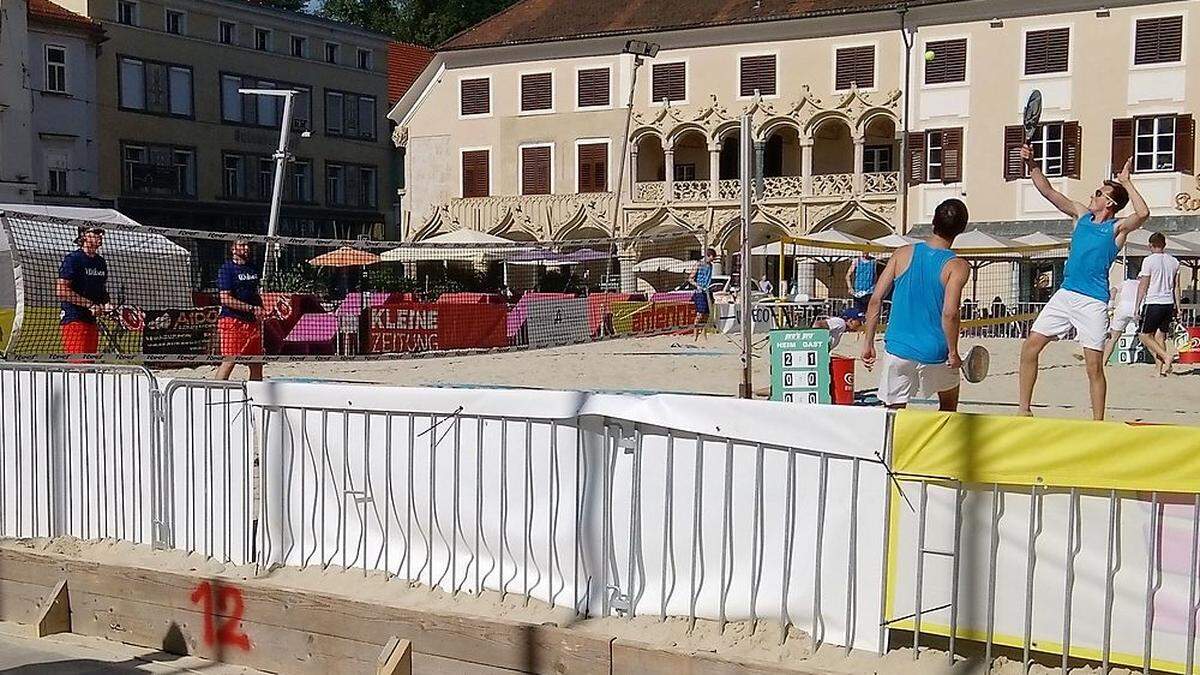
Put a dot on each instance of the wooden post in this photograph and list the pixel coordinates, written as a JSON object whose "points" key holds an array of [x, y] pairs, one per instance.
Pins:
{"points": [[395, 658], [55, 616]]}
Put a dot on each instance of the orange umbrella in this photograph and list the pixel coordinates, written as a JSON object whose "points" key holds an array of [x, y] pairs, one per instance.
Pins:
{"points": [[345, 257]]}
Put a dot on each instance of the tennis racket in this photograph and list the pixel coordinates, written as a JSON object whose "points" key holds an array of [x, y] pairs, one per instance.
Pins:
{"points": [[1033, 114], [975, 365]]}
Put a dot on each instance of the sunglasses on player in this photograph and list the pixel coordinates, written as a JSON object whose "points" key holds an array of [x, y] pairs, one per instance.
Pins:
{"points": [[1102, 193]]}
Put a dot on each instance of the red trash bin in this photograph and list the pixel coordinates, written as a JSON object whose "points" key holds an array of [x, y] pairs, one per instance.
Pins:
{"points": [[841, 372], [1191, 354]]}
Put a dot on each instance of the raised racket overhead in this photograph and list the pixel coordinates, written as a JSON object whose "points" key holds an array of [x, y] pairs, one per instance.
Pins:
{"points": [[1033, 114], [975, 365]]}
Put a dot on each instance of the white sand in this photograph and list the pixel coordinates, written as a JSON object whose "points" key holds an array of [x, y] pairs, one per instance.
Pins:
{"points": [[676, 364], [740, 641]]}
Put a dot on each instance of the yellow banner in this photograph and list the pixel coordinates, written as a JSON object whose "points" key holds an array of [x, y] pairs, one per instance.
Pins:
{"points": [[1050, 452]]}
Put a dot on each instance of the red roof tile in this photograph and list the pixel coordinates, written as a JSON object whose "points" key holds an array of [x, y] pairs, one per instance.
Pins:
{"points": [[404, 63], [48, 12], [549, 20]]}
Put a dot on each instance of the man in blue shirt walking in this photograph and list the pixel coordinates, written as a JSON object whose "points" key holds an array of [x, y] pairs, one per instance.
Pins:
{"points": [[860, 279], [702, 296], [1082, 301], [921, 343]]}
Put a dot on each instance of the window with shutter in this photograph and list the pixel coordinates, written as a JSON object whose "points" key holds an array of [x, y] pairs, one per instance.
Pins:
{"points": [[951, 155], [537, 92], [475, 96], [916, 157], [535, 170], [1072, 149], [949, 62], [855, 66], [593, 167], [1185, 144], [1158, 40], [1047, 51], [1122, 143], [1014, 166], [593, 87], [668, 82], [758, 75], [475, 176]]}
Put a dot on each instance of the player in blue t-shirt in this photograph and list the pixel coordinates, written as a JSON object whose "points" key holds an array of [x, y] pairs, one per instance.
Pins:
{"points": [[83, 291], [239, 326], [1082, 301], [702, 296]]}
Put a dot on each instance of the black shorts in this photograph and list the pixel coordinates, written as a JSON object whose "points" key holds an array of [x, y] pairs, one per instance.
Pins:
{"points": [[1156, 318]]}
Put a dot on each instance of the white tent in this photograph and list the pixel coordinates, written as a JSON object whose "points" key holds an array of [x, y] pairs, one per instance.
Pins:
{"points": [[144, 269], [829, 243], [1040, 239], [663, 264], [462, 244], [894, 241]]}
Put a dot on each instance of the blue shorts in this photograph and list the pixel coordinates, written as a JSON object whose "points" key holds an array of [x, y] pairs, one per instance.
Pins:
{"points": [[700, 299]]}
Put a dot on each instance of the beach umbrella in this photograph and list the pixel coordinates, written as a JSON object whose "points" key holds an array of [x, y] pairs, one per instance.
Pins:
{"points": [[659, 264], [345, 256], [461, 244], [894, 241]]}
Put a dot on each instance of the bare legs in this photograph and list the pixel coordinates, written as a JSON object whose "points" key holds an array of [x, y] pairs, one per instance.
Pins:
{"points": [[226, 369], [1156, 343], [1114, 337], [1097, 384], [948, 400], [1031, 350]]}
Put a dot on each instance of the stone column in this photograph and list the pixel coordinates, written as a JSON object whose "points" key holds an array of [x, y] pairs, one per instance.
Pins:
{"points": [[859, 156], [760, 151], [806, 166], [669, 174], [627, 258], [633, 172], [714, 172]]}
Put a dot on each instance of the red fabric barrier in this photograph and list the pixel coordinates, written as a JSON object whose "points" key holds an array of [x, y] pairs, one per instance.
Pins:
{"points": [[664, 316], [470, 298], [420, 327], [600, 309]]}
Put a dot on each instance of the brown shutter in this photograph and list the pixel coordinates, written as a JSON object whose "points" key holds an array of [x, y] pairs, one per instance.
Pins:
{"points": [[855, 65], [1072, 149], [916, 157], [1122, 143], [593, 87], [475, 173], [1158, 40], [476, 96], [1014, 166], [949, 62], [1185, 144], [593, 167], [758, 74], [951, 155], [1047, 51], [537, 91], [669, 82], [535, 170]]}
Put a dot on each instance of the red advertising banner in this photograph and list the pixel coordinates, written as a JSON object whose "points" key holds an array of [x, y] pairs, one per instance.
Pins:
{"points": [[664, 316], [423, 327]]}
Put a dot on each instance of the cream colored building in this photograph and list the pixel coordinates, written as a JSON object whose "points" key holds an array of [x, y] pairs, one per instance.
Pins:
{"points": [[508, 128]]}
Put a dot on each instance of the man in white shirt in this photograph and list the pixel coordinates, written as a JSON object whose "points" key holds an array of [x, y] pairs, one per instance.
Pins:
{"points": [[1158, 296], [851, 320], [1124, 312]]}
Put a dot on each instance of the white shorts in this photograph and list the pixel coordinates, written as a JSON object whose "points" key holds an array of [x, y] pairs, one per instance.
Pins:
{"points": [[901, 379], [1067, 310], [1120, 320]]}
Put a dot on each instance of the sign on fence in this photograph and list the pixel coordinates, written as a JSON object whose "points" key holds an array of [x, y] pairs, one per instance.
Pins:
{"points": [[422, 327], [800, 366], [179, 331], [557, 322]]}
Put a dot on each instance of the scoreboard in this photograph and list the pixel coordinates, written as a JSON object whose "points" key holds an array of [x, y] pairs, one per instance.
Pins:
{"points": [[800, 366]]}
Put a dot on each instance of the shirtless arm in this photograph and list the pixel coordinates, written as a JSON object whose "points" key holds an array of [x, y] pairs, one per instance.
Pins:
{"points": [[882, 287], [1141, 212], [957, 272], [1060, 201]]}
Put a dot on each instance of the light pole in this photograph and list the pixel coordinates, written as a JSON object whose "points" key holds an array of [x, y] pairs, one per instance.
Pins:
{"points": [[640, 50], [905, 169], [281, 157]]}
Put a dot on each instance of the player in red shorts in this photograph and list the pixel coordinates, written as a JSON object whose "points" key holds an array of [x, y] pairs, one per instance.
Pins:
{"points": [[241, 306], [83, 291]]}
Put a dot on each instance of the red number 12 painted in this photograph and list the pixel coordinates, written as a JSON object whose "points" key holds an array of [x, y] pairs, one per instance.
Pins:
{"points": [[221, 630]]}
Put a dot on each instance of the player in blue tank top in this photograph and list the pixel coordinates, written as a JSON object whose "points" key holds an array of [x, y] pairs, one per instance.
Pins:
{"points": [[1082, 301], [921, 344]]}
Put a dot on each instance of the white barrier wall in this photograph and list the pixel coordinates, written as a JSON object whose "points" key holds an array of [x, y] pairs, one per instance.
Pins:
{"points": [[683, 505]]}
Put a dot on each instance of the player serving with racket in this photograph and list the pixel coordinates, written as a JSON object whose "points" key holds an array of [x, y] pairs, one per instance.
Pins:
{"points": [[1081, 303], [83, 291], [241, 307]]}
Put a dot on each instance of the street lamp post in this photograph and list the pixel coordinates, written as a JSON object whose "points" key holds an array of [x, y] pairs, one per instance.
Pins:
{"points": [[281, 157], [640, 50], [905, 168]]}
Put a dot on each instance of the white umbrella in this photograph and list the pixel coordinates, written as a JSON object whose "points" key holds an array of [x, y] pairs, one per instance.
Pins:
{"points": [[1040, 239], [461, 244], [894, 240], [659, 264]]}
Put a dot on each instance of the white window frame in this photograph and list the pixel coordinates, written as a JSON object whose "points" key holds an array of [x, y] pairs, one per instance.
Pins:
{"points": [[491, 174], [491, 101], [738, 75], [225, 175], [521, 165], [233, 36], [341, 130], [63, 66], [191, 113], [307, 198], [521, 112], [360, 168], [188, 190], [127, 165], [51, 171], [341, 184], [358, 54], [1070, 50], [871, 148], [1183, 52], [966, 81], [612, 94], [270, 35], [941, 164], [874, 45], [337, 48], [687, 80], [1156, 135], [303, 46], [183, 20], [136, 15], [608, 178], [1042, 143]]}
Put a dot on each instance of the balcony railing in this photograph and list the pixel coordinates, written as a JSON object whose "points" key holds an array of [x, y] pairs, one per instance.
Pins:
{"points": [[823, 186]]}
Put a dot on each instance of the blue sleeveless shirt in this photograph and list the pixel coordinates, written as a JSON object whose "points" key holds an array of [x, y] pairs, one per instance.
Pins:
{"points": [[914, 331], [1093, 251]]}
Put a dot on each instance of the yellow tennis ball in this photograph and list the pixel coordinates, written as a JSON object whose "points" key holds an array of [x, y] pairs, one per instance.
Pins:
{"points": [[929, 55]]}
